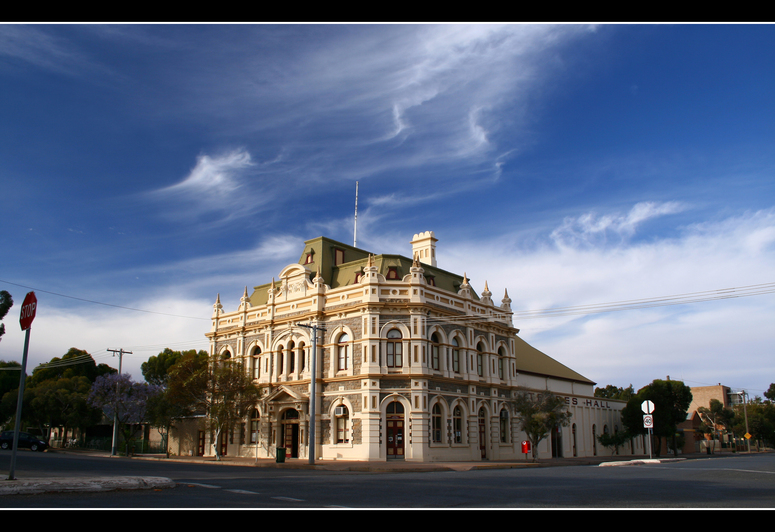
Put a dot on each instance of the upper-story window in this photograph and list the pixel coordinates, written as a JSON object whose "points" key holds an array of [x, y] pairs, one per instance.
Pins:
{"points": [[338, 256], [310, 258], [455, 355], [392, 273], [480, 359], [394, 349], [430, 280], [343, 357], [435, 348]]}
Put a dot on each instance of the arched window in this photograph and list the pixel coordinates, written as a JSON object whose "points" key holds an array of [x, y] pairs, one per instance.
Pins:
{"points": [[342, 424], [280, 368], [436, 423], [256, 362], [254, 419], [393, 349], [573, 432], [302, 357], [343, 359], [501, 359], [291, 358], [457, 424], [504, 426], [455, 355], [435, 348], [480, 359]]}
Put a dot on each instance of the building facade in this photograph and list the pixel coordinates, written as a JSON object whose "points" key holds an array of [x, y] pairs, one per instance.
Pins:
{"points": [[411, 363]]}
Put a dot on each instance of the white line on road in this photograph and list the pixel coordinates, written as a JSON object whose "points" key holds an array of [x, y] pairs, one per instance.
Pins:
{"points": [[288, 499]]}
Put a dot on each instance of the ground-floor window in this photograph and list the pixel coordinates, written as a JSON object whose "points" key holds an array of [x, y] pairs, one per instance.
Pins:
{"points": [[504, 425], [436, 423], [457, 424], [342, 422]]}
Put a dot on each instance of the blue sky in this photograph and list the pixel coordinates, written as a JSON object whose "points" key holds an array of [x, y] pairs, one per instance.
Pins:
{"points": [[155, 166]]}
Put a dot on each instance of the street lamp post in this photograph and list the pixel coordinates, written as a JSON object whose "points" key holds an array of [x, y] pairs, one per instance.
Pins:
{"points": [[312, 389]]}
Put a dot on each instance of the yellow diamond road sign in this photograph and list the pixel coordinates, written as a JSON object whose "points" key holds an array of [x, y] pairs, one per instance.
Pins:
{"points": [[748, 436]]}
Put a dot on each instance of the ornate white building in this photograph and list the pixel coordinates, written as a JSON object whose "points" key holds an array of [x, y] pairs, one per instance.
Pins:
{"points": [[412, 364]]}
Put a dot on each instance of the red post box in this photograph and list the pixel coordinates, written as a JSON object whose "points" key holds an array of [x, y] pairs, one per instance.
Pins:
{"points": [[525, 446]]}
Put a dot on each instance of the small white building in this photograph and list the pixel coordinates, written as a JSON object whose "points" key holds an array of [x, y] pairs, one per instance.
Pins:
{"points": [[412, 364]]}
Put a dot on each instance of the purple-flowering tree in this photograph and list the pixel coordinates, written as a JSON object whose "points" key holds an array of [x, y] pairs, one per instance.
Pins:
{"points": [[121, 396]]}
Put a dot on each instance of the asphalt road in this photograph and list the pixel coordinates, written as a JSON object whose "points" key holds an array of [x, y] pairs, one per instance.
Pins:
{"points": [[740, 481]]}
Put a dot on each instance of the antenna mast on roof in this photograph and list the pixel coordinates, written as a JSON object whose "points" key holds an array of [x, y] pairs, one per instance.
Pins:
{"points": [[355, 228]]}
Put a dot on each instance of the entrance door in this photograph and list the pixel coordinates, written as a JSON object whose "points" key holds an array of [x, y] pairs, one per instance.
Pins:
{"points": [[290, 433], [200, 449], [556, 443], [395, 430], [483, 433]]}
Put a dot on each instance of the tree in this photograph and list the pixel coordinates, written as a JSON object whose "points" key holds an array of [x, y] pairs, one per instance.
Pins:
{"points": [[171, 404], [221, 390], [63, 403], [671, 402], [715, 418], [612, 392], [56, 393], [122, 397], [615, 440], [770, 393], [538, 414], [6, 302], [156, 369], [76, 362]]}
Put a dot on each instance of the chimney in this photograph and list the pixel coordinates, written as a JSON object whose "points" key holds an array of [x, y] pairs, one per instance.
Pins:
{"points": [[424, 248]]}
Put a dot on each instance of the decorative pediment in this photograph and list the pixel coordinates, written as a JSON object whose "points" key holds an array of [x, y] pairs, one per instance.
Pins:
{"points": [[294, 281], [284, 395]]}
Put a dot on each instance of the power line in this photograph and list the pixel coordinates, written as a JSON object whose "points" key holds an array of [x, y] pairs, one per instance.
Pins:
{"points": [[105, 304]]}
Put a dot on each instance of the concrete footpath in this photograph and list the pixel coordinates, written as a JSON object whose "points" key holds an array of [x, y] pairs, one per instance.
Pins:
{"points": [[49, 484]]}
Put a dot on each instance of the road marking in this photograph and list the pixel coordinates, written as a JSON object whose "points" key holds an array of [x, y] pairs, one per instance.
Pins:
{"points": [[288, 499], [202, 485], [245, 492]]}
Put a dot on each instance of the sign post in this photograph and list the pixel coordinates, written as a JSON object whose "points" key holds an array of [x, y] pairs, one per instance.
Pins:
{"points": [[29, 309], [648, 419]]}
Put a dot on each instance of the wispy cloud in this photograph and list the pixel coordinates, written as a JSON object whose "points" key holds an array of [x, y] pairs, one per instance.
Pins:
{"points": [[637, 346], [213, 176], [591, 229]]}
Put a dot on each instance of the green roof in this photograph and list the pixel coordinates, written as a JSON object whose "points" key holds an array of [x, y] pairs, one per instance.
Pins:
{"points": [[323, 252], [531, 360]]}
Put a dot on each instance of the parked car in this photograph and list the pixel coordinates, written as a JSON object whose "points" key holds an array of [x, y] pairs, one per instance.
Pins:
{"points": [[26, 441]]}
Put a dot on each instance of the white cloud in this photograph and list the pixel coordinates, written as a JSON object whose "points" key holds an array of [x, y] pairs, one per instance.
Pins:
{"points": [[728, 341], [591, 229], [213, 178]]}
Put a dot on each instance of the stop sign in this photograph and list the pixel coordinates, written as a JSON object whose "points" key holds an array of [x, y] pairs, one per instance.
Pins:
{"points": [[29, 307]]}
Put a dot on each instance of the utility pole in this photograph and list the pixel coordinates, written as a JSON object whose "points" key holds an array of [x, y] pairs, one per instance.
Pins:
{"points": [[745, 411], [312, 389], [114, 446]]}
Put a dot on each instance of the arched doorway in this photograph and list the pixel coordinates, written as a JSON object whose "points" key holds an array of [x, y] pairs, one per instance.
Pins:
{"points": [[289, 435], [557, 442], [483, 432], [394, 418]]}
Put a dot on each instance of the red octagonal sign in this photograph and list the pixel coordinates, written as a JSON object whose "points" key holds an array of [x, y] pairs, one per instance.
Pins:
{"points": [[29, 307]]}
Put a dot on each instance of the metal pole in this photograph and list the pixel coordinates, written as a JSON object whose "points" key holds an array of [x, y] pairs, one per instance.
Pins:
{"points": [[16, 426], [312, 396], [312, 390], [114, 446], [745, 410]]}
